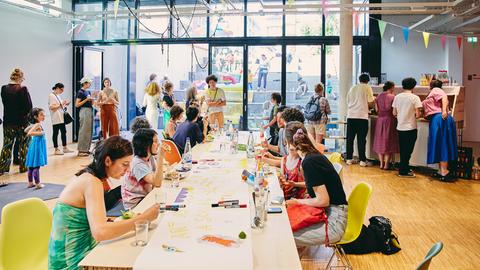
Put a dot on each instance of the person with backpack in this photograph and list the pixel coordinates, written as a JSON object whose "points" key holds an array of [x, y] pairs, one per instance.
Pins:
{"points": [[316, 113]]}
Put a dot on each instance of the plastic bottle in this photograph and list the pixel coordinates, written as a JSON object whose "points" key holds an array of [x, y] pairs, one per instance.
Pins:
{"points": [[187, 155], [250, 146]]}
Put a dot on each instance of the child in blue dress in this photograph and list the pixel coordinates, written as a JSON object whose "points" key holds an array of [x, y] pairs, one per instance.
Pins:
{"points": [[37, 150]]}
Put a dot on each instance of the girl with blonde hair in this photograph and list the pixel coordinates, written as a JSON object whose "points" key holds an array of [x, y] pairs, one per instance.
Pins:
{"points": [[151, 100]]}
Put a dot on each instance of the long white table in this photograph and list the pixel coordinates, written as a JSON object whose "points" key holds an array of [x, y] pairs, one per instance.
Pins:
{"points": [[272, 247]]}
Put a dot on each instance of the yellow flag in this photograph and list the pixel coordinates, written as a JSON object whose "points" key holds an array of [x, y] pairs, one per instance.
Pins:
{"points": [[115, 7], [426, 37], [291, 2]]}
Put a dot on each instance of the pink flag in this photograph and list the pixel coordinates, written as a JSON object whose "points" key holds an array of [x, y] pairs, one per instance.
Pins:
{"points": [[459, 41], [443, 39]]}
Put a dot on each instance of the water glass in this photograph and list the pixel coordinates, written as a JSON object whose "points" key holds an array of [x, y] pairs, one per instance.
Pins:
{"points": [[141, 233], [176, 180], [161, 199]]}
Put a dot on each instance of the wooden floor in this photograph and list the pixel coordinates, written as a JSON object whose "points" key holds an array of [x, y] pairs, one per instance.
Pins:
{"points": [[422, 212]]}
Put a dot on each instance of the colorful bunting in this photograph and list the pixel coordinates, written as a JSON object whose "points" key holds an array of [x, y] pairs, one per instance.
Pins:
{"points": [[381, 26], [324, 8], [459, 41], [443, 39], [115, 7], [406, 32], [426, 37]]}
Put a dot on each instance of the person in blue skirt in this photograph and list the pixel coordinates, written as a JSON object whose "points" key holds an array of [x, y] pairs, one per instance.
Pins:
{"points": [[442, 137], [37, 150]]}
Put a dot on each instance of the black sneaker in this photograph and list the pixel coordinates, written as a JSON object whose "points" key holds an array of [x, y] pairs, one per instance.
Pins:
{"points": [[449, 178], [406, 175]]}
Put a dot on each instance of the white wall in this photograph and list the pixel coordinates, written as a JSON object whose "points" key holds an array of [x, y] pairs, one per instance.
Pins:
{"points": [[401, 60], [471, 66], [41, 47]]}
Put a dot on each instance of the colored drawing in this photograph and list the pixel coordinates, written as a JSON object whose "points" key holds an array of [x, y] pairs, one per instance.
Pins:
{"points": [[219, 240]]}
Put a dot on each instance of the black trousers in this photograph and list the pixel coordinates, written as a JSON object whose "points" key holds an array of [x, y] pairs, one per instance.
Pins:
{"points": [[357, 128], [407, 141], [63, 134]]}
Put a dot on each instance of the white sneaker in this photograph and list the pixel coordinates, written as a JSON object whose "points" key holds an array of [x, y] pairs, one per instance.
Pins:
{"points": [[364, 164], [349, 161], [58, 152], [39, 186], [67, 150]]}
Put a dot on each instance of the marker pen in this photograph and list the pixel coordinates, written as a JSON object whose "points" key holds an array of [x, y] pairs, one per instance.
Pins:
{"points": [[236, 206], [176, 205], [229, 201], [169, 208]]}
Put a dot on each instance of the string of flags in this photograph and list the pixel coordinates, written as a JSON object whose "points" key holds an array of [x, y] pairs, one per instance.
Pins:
{"points": [[382, 25]]}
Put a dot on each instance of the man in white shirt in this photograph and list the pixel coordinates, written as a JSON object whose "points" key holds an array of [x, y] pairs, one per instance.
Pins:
{"points": [[359, 99], [406, 106]]}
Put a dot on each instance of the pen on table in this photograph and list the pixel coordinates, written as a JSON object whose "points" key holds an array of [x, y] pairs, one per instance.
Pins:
{"points": [[176, 205], [236, 206], [229, 201], [169, 208], [224, 204]]}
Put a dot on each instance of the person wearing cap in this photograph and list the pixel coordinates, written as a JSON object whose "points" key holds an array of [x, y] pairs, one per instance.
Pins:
{"points": [[84, 103], [16, 106]]}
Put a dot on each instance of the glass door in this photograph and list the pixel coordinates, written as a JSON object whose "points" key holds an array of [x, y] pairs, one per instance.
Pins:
{"points": [[303, 73], [264, 78], [93, 68], [227, 65]]}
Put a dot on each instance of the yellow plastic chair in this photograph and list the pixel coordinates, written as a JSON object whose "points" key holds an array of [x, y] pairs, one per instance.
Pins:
{"points": [[357, 207], [26, 226]]}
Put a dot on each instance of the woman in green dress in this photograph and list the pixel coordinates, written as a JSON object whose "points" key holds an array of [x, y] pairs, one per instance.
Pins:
{"points": [[79, 218]]}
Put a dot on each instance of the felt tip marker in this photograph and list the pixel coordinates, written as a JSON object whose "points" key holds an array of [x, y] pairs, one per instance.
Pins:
{"points": [[229, 201], [224, 204], [169, 208], [236, 206], [176, 205]]}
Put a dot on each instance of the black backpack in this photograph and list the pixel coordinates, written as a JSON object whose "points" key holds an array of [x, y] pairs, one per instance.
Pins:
{"points": [[386, 239], [312, 110]]}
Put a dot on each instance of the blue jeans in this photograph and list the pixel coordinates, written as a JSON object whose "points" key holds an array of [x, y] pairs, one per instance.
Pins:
{"points": [[262, 74]]}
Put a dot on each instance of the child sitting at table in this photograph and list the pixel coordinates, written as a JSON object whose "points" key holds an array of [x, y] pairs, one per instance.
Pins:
{"points": [[292, 181], [143, 174]]}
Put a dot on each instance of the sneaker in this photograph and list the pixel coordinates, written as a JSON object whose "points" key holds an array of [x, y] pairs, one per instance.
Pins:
{"points": [[349, 161], [39, 186], [58, 152], [407, 175], [67, 150], [30, 185], [365, 164], [83, 154]]}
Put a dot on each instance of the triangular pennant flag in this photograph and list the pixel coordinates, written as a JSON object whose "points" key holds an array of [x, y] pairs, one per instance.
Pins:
{"points": [[291, 2], [459, 41], [443, 39], [79, 28], [324, 8], [381, 26], [406, 32], [115, 7], [426, 37]]}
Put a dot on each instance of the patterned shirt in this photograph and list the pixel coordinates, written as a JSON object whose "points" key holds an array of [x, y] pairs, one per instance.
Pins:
{"points": [[134, 188], [324, 108]]}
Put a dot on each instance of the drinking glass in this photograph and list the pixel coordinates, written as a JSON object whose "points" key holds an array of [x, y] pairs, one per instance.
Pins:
{"points": [[175, 180], [141, 233]]}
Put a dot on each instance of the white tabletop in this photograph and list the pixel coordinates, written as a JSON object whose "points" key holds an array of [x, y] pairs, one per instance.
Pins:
{"points": [[272, 247]]}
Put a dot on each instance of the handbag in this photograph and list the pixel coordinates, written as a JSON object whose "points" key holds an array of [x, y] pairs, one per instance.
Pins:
{"points": [[302, 216], [67, 118]]}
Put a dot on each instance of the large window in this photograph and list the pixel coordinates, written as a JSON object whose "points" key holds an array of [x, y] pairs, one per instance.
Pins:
{"points": [[308, 23], [222, 25], [154, 24], [264, 78], [264, 25], [177, 63], [90, 28], [303, 73], [121, 27], [227, 65], [189, 26]]}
